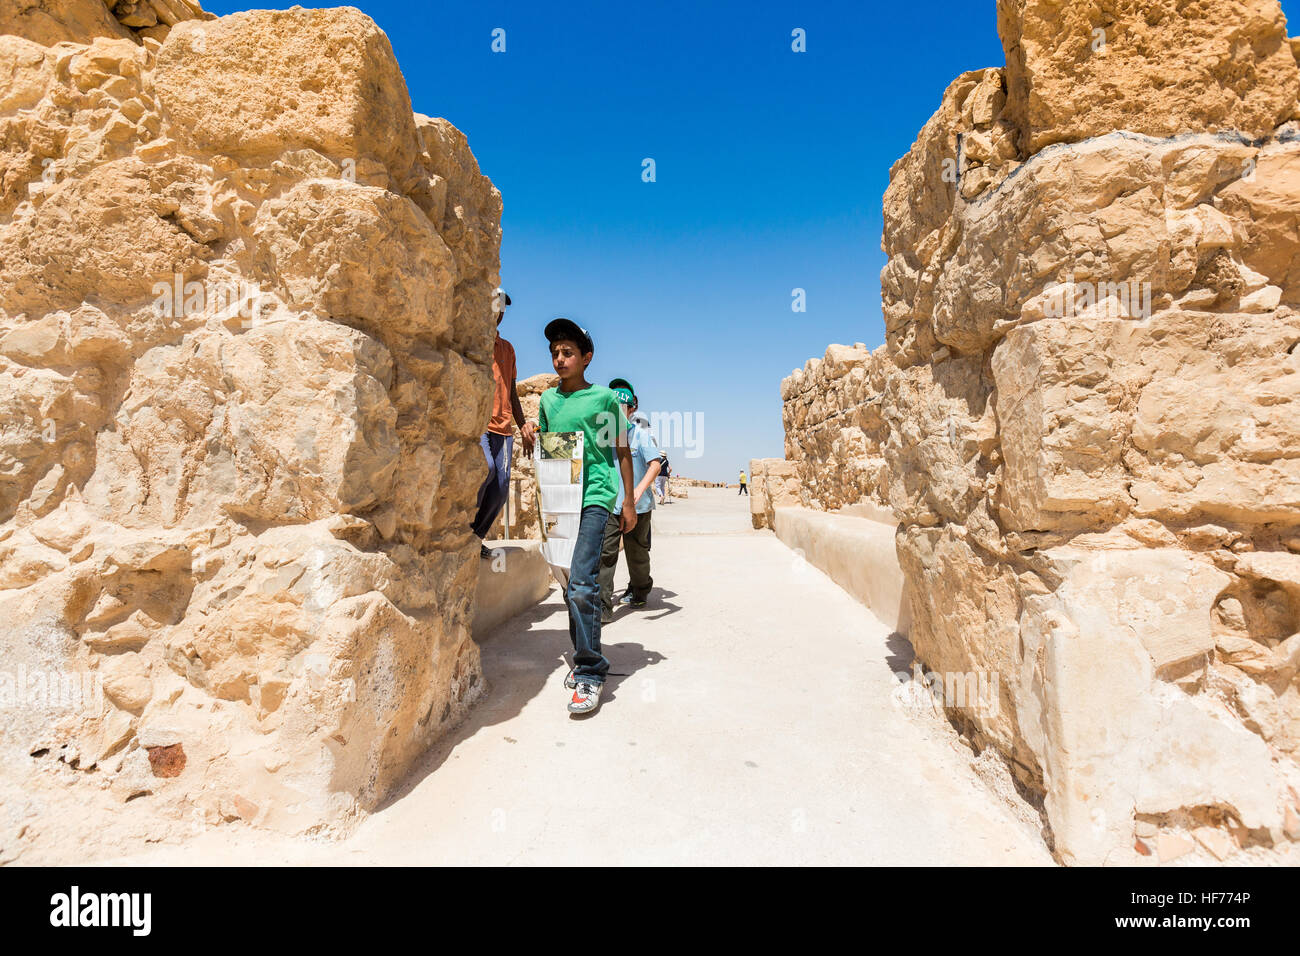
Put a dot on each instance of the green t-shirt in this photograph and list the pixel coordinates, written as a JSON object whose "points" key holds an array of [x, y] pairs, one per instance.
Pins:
{"points": [[596, 413]]}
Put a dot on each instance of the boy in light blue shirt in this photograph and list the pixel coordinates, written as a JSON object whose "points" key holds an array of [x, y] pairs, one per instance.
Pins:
{"points": [[646, 463]]}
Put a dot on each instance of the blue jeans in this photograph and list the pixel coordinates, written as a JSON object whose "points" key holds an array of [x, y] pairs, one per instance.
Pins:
{"points": [[492, 493], [583, 597]]}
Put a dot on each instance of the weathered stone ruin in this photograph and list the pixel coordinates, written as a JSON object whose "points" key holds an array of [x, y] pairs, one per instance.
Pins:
{"points": [[680, 486], [245, 346], [773, 483], [521, 508], [1086, 418], [832, 413]]}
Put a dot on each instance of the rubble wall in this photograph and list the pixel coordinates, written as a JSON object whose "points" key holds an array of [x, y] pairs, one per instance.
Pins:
{"points": [[245, 346], [1090, 395], [834, 432], [773, 483], [524, 517]]}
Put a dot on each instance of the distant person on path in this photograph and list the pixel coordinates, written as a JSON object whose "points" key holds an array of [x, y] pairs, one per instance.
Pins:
{"points": [[744, 487], [498, 442], [661, 480], [646, 463], [577, 405]]}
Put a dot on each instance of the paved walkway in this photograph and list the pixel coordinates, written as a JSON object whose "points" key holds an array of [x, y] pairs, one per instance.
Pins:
{"points": [[749, 718]]}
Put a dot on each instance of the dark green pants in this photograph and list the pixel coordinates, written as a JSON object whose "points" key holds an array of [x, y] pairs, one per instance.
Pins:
{"points": [[636, 545]]}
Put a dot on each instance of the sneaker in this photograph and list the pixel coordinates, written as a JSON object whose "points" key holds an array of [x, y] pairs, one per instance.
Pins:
{"points": [[571, 682], [484, 552], [631, 601], [586, 698], [606, 617]]}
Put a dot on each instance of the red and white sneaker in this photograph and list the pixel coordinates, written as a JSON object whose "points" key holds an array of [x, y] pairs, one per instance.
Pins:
{"points": [[586, 698]]}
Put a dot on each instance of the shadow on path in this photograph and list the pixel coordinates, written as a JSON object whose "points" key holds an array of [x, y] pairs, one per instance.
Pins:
{"points": [[901, 654], [657, 601], [624, 661], [519, 658]]}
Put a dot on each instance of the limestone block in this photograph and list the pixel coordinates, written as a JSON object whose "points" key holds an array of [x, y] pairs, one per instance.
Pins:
{"points": [[773, 483], [1059, 423], [1097, 715], [856, 553], [126, 682], [354, 252], [514, 579], [27, 70], [108, 234], [963, 620], [834, 429], [523, 491], [310, 430], [1267, 204], [758, 505], [262, 82], [1217, 427], [61, 21], [1158, 67]]}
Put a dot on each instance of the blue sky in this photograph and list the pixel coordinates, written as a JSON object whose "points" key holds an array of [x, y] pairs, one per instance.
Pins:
{"points": [[770, 166]]}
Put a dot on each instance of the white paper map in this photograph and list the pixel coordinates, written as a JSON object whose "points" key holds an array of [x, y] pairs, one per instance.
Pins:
{"points": [[557, 461]]}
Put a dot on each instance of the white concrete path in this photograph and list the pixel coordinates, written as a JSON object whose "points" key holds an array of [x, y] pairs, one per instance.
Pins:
{"points": [[749, 719]]}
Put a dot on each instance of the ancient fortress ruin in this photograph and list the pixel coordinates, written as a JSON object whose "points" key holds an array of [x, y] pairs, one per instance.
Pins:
{"points": [[1084, 424], [245, 347]]}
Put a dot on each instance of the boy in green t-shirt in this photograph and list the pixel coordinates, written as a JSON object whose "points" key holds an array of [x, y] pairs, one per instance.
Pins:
{"points": [[577, 405]]}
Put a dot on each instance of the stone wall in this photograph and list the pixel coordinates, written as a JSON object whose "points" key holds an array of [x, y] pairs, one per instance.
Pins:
{"points": [[696, 482], [834, 432], [679, 487], [245, 344], [773, 483], [523, 490], [1090, 396]]}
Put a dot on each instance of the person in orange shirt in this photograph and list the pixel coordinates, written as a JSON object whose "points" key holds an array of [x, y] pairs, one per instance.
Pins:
{"points": [[498, 441]]}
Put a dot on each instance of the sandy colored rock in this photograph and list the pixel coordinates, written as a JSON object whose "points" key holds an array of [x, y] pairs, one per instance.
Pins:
{"points": [[262, 82], [1159, 67], [126, 682], [1085, 416], [49, 22], [1220, 844], [244, 362], [109, 233], [698, 482], [167, 761], [833, 428], [1170, 846], [56, 21], [773, 483], [524, 521]]}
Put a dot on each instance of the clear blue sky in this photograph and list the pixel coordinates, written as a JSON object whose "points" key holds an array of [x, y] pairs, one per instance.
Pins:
{"points": [[770, 168]]}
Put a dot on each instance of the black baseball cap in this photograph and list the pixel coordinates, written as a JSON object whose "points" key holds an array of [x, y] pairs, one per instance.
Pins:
{"points": [[558, 329]]}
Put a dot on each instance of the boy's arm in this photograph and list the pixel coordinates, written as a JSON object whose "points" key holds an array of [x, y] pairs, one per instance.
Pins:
{"points": [[652, 470], [527, 430], [623, 448], [647, 480], [627, 520]]}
